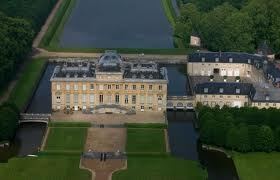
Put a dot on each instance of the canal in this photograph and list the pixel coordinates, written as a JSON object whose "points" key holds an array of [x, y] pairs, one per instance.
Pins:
{"points": [[117, 24], [184, 138]]}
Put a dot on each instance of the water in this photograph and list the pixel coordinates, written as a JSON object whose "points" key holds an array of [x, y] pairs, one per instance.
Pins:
{"points": [[29, 136], [182, 135], [117, 24], [184, 143], [41, 100], [178, 82]]}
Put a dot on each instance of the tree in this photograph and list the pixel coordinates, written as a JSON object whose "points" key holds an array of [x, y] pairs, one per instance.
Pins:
{"points": [[277, 138], [265, 139]]}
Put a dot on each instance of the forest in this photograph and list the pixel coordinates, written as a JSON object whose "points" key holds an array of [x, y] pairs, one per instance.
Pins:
{"points": [[20, 21], [243, 129], [230, 25]]}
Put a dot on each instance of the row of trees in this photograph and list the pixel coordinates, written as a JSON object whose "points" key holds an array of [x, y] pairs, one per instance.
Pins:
{"points": [[231, 25], [20, 20], [9, 116], [242, 129]]}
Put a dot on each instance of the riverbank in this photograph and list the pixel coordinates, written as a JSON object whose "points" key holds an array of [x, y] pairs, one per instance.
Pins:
{"points": [[257, 165], [27, 83]]}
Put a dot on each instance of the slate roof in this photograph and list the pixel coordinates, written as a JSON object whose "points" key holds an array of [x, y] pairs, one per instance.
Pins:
{"points": [[226, 57], [225, 88], [272, 71]]}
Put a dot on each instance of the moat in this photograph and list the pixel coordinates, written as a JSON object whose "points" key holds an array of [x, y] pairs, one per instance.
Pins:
{"points": [[183, 137]]}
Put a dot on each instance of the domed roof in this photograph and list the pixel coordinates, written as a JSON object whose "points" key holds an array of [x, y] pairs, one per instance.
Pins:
{"points": [[110, 58]]}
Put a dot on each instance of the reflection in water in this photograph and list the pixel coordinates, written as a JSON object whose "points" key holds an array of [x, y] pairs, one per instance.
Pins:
{"points": [[30, 136], [41, 100], [183, 140]]}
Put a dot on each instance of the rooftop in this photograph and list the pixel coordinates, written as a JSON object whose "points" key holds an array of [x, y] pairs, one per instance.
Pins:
{"points": [[225, 88], [226, 57]]}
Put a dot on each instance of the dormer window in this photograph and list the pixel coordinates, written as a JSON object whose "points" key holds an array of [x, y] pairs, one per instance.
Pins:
{"points": [[216, 59], [221, 90], [203, 59], [249, 61], [230, 60], [205, 90], [237, 91], [267, 97]]}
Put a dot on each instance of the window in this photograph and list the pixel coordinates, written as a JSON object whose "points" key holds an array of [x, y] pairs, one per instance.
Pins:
{"points": [[229, 96], [150, 99], [142, 87], [76, 98], [67, 98], [216, 59], [274, 104], [203, 59], [84, 98], [267, 104], [237, 91], [230, 60], [58, 99], [75, 87], [259, 104], [150, 108], [221, 96], [91, 87], [160, 87], [205, 96], [91, 98], [205, 90], [126, 87], [221, 90], [117, 86], [67, 87], [142, 108], [126, 99], [150, 87], [101, 98], [58, 87], [117, 99], [133, 107], [142, 99], [134, 87], [84, 87], [109, 86], [133, 99], [237, 96]]}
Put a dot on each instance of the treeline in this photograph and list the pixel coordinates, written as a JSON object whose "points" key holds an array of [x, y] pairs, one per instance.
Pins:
{"points": [[231, 25], [9, 116], [20, 20], [242, 129]]}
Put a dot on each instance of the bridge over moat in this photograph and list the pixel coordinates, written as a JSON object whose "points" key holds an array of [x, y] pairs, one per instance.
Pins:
{"points": [[30, 117], [180, 102]]}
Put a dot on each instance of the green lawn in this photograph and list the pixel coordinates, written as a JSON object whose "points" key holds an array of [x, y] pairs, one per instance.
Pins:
{"points": [[66, 139], [257, 166], [44, 168], [145, 140], [160, 168], [27, 82]]}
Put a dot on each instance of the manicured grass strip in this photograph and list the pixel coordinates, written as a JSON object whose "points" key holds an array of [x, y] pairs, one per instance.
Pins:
{"points": [[146, 125], [27, 82], [160, 168], [169, 11], [145, 140], [69, 124], [257, 166], [66, 139], [175, 51], [55, 29], [44, 168]]}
